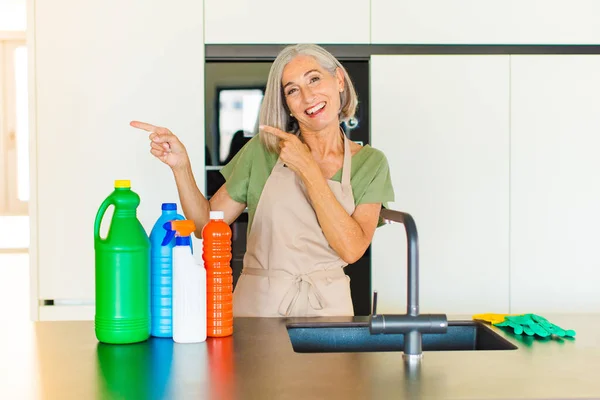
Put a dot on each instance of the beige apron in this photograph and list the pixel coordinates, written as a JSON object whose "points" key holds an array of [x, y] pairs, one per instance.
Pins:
{"points": [[289, 267]]}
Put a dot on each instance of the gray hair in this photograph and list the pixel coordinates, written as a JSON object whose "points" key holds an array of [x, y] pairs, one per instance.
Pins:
{"points": [[273, 110]]}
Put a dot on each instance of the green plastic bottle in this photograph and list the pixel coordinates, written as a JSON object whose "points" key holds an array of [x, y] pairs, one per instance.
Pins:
{"points": [[122, 271]]}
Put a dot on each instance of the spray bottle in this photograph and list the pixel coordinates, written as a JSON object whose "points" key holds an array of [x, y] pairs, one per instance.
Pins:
{"points": [[161, 273], [189, 285]]}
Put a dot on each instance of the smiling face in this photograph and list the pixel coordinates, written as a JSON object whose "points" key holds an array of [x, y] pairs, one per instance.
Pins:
{"points": [[312, 93]]}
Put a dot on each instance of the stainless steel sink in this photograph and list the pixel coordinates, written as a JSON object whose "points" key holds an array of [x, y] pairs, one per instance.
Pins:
{"points": [[355, 337]]}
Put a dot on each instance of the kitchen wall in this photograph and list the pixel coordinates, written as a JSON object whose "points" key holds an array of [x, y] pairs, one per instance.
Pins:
{"points": [[13, 15], [491, 22], [492, 154], [93, 75]]}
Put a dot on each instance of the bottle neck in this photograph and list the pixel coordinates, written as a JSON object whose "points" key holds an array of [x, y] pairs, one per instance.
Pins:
{"points": [[125, 213], [183, 241]]}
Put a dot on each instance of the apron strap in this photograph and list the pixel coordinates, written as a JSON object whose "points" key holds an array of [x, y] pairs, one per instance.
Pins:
{"points": [[315, 298], [347, 165]]}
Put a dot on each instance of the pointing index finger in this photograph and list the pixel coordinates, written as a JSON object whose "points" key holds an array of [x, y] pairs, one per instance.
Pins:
{"points": [[144, 126], [277, 132], [149, 127]]}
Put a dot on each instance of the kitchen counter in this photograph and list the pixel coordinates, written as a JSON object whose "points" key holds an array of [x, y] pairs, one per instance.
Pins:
{"points": [[63, 360]]}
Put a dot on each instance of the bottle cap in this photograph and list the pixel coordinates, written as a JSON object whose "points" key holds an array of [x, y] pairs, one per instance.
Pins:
{"points": [[122, 184], [169, 207], [217, 215]]}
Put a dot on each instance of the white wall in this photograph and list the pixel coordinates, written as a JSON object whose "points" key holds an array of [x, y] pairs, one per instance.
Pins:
{"points": [[12, 15], [276, 21], [485, 21], [498, 164], [555, 190], [94, 74], [404, 22], [443, 122]]}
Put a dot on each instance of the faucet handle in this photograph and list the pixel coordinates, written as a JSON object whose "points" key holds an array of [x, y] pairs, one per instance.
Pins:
{"points": [[374, 303]]}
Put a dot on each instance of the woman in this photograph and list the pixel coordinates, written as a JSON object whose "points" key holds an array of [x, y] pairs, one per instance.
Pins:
{"points": [[313, 196]]}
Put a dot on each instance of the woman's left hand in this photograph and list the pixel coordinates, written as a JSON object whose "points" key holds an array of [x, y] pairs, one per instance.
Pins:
{"points": [[295, 154]]}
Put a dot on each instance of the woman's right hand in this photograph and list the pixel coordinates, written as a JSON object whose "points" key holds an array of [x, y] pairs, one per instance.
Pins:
{"points": [[164, 145]]}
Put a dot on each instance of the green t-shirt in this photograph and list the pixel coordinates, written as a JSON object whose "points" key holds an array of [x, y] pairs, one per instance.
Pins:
{"points": [[247, 173]]}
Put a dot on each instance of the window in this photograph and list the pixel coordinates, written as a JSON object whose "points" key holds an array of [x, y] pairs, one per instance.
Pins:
{"points": [[14, 143], [238, 111], [14, 129]]}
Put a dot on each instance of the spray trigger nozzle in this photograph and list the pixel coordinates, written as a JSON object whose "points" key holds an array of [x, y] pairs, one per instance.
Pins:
{"points": [[180, 228], [170, 233]]}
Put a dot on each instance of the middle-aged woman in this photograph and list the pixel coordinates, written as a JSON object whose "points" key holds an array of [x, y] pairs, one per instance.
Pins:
{"points": [[313, 196]]}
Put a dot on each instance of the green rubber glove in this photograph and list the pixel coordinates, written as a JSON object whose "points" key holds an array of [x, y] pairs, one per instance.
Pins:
{"points": [[533, 324], [509, 323]]}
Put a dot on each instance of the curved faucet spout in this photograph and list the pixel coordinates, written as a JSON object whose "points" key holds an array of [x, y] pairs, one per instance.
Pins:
{"points": [[412, 256], [412, 325]]}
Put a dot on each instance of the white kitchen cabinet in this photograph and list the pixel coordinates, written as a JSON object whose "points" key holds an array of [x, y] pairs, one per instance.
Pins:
{"points": [[555, 190], [95, 71], [443, 123], [274, 22], [485, 22]]}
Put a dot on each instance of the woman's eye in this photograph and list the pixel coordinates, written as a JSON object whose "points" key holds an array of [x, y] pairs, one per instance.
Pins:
{"points": [[314, 79], [291, 91]]}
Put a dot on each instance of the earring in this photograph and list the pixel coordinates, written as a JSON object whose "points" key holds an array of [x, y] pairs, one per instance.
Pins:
{"points": [[291, 115]]}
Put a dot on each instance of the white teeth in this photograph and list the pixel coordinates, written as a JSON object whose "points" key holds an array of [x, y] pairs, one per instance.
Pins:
{"points": [[315, 108]]}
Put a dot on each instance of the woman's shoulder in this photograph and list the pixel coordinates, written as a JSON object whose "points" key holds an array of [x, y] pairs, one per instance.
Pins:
{"points": [[254, 144], [370, 156], [257, 147], [371, 178], [253, 148]]}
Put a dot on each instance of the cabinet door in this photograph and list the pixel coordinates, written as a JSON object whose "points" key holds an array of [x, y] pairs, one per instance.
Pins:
{"points": [[443, 122], [485, 22], [555, 190], [273, 21], [96, 72]]}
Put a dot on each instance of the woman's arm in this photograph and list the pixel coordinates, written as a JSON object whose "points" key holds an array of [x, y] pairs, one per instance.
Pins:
{"points": [[197, 208], [349, 236], [222, 201], [194, 204], [167, 147]]}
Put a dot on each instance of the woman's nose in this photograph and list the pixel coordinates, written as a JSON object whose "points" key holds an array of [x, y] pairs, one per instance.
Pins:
{"points": [[308, 95]]}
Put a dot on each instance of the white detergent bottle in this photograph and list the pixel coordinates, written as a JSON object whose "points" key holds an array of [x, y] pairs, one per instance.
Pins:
{"points": [[189, 286]]}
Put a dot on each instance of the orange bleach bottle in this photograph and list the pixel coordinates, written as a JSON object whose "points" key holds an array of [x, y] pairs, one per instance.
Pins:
{"points": [[216, 253]]}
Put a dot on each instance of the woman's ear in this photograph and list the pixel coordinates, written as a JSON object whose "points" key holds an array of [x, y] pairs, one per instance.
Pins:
{"points": [[339, 75]]}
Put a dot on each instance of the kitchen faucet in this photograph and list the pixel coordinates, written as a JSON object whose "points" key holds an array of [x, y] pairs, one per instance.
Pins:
{"points": [[412, 324]]}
